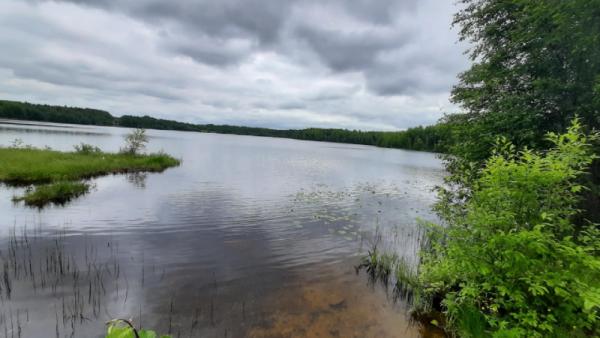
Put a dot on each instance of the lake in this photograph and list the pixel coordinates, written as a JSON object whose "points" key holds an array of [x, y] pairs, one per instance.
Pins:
{"points": [[250, 236]]}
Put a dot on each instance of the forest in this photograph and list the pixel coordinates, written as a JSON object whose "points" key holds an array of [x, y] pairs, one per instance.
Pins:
{"points": [[429, 138]]}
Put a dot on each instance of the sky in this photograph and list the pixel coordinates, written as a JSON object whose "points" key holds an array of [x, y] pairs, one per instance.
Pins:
{"points": [[356, 64]]}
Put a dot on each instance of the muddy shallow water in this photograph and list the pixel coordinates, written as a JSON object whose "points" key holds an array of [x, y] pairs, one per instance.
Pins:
{"points": [[249, 237]]}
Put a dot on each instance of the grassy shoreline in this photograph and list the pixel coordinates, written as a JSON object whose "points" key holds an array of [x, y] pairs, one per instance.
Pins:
{"points": [[23, 166], [55, 177]]}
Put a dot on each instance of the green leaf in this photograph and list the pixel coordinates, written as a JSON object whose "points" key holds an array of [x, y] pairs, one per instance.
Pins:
{"points": [[147, 334], [119, 332]]}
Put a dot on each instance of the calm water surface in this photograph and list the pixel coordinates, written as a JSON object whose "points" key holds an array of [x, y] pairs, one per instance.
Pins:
{"points": [[250, 237]]}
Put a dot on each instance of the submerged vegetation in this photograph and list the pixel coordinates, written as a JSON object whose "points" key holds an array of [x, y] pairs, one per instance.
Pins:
{"points": [[61, 172], [42, 266]]}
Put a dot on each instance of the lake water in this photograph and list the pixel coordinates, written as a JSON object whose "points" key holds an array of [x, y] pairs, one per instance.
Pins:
{"points": [[250, 236]]}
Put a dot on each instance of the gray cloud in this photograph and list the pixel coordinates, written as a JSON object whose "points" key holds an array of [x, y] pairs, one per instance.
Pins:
{"points": [[227, 31], [255, 19], [216, 52], [351, 51], [349, 63]]}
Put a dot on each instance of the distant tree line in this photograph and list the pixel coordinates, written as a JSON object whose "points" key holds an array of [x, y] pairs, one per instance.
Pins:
{"points": [[434, 138], [58, 114]]}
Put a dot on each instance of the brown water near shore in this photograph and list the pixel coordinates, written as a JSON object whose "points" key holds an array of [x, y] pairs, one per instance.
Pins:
{"points": [[321, 309]]}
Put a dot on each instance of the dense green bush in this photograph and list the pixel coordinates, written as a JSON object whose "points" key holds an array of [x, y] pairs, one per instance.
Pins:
{"points": [[509, 262]]}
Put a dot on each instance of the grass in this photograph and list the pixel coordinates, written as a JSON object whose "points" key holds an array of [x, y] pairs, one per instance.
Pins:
{"points": [[20, 166], [379, 265], [57, 193], [391, 269], [60, 173]]}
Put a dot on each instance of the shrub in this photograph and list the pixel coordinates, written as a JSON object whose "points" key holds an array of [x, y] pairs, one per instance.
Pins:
{"points": [[135, 142], [84, 148], [510, 262], [17, 143]]}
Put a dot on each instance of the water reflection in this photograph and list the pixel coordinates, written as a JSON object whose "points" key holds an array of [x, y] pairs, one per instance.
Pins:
{"points": [[138, 179], [249, 236]]}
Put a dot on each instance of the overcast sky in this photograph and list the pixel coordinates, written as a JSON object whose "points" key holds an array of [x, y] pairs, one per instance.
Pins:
{"points": [[359, 64]]}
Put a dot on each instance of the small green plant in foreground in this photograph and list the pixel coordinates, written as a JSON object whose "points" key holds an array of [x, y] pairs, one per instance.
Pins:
{"points": [[122, 328], [57, 193]]}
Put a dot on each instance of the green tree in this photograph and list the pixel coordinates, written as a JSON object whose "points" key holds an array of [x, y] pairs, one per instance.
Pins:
{"points": [[536, 65]]}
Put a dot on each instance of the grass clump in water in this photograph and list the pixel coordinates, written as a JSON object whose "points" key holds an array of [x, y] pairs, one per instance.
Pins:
{"points": [[61, 172], [394, 271], [379, 265], [56, 193], [31, 165]]}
